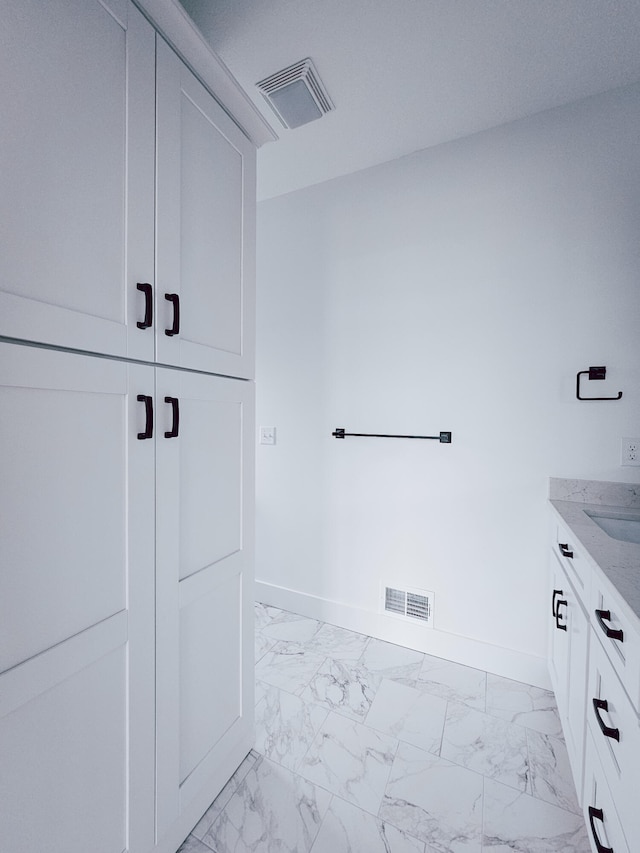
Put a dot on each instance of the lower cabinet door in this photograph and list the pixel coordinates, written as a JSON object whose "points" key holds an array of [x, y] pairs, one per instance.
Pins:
{"points": [[204, 592], [603, 823], [76, 551], [569, 644]]}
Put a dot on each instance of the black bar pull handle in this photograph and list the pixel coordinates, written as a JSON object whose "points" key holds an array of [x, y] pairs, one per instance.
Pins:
{"points": [[145, 287], [598, 814], [565, 550], [603, 705], [614, 633], [553, 601], [148, 407], [175, 427], [559, 625], [594, 373], [174, 298]]}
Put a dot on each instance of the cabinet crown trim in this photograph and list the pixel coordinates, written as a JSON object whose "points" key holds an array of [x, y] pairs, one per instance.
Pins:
{"points": [[175, 25]]}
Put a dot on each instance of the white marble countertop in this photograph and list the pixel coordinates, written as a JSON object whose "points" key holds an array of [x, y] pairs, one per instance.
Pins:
{"points": [[618, 561]]}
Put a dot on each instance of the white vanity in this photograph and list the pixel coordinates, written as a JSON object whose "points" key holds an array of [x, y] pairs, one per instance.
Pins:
{"points": [[594, 651]]}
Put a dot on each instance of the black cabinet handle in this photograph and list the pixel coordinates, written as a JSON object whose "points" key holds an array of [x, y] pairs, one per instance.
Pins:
{"points": [[175, 427], [553, 601], [148, 407], [564, 550], [558, 603], [174, 298], [145, 287], [603, 705], [614, 633], [597, 814]]}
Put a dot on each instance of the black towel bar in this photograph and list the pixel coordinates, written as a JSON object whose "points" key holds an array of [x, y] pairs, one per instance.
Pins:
{"points": [[443, 438]]}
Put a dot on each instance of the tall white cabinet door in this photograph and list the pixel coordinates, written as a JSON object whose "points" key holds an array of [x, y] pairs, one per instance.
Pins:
{"points": [[204, 593], [205, 228], [76, 547], [77, 153]]}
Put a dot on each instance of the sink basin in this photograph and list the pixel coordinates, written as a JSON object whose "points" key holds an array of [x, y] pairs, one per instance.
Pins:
{"points": [[623, 526]]}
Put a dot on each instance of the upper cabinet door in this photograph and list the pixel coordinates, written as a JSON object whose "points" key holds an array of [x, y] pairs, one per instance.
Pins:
{"points": [[205, 220], [77, 156]]}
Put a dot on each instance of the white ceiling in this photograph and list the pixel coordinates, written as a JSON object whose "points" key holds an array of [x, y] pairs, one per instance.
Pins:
{"points": [[408, 74]]}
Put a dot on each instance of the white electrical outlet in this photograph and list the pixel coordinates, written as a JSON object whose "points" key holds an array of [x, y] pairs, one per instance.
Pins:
{"points": [[267, 435], [630, 451]]}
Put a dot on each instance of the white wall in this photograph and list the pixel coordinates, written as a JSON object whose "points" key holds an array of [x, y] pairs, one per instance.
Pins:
{"points": [[461, 288]]}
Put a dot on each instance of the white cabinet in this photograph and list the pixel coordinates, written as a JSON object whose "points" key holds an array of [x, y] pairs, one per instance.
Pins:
{"points": [[204, 592], [76, 617], [205, 220], [594, 664], [126, 598], [126, 547], [605, 830], [77, 174], [615, 730], [569, 644], [107, 113]]}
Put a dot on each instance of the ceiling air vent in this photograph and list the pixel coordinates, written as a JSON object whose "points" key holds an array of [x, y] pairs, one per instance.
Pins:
{"points": [[296, 94], [412, 604]]}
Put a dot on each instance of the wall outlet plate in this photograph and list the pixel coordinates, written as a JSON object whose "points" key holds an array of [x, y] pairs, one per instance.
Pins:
{"points": [[630, 451]]}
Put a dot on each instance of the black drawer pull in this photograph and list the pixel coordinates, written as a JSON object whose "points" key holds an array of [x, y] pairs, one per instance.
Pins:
{"points": [[558, 624], [175, 427], [564, 550], [145, 287], [614, 633], [174, 298], [603, 705], [597, 814], [148, 407], [553, 601]]}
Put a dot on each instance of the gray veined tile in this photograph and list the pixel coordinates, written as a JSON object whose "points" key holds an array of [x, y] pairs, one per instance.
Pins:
{"points": [[391, 661], [453, 681], [291, 628], [217, 806], [518, 822], [522, 703], [262, 645], [408, 714], [273, 809], [348, 829], [435, 801], [261, 689], [264, 614], [286, 726], [337, 643], [350, 760], [288, 666], [193, 845], [343, 687], [551, 779], [487, 745]]}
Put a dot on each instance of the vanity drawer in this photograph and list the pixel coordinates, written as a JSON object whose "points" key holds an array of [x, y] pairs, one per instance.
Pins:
{"points": [[615, 729], [572, 559], [618, 635], [603, 824]]}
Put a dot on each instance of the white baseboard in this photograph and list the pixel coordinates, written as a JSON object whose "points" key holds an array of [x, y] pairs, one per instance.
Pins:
{"points": [[495, 659]]}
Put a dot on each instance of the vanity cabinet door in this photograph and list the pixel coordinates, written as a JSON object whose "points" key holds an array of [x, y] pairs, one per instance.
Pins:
{"points": [[569, 652], [205, 228], [77, 102], [600, 813], [615, 729]]}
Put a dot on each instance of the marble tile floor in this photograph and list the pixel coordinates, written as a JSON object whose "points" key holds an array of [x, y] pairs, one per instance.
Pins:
{"points": [[367, 747]]}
